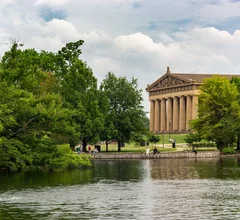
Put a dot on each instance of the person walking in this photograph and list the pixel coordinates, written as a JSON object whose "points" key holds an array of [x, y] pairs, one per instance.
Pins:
{"points": [[147, 152]]}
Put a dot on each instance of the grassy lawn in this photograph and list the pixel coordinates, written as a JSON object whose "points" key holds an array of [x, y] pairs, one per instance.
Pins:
{"points": [[178, 137], [167, 148], [162, 146], [132, 148]]}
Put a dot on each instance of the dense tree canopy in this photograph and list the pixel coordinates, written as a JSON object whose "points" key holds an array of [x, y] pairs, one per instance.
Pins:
{"points": [[35, 118], [50, 102], [81, 95], [125, 113], [218, 110], [236, 124]]}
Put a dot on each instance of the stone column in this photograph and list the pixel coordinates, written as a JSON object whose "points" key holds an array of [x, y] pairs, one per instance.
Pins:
{"points": [[175, 114], [189, 111], [182, 121], [194, 106], [152, 111], [157, 114], [169, 114], [163, 114]]}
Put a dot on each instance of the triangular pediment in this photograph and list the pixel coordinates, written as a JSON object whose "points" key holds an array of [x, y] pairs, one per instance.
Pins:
{"points": [[173, 80], [168, 80]]}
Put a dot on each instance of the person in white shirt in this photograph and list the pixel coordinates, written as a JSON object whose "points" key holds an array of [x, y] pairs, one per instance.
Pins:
{"points": [[147, 152]]}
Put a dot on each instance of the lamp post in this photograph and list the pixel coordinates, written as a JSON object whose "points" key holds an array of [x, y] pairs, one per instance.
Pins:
{"points": [[169, 125], [163, 137]]}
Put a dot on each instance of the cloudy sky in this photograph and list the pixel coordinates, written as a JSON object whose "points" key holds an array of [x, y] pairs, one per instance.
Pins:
{"points": [[138, 38]]}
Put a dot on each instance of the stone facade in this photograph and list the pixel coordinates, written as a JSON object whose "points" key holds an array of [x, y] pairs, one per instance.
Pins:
{"points": [[173, 101]]}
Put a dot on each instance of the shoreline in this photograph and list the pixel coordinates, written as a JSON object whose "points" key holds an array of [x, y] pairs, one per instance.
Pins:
{"points": [[129, 155]]}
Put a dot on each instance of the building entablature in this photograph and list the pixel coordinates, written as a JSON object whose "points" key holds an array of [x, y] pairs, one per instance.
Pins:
{"points": [[174, 100], [171, 92]]}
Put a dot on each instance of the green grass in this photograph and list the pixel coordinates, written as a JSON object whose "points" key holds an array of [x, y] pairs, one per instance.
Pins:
{"points": [[162, 146], [161, 149], [137, 149], [178, 137]]}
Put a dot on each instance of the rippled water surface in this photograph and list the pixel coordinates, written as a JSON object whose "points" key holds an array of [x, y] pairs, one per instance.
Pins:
{"points": [[126, 189]]}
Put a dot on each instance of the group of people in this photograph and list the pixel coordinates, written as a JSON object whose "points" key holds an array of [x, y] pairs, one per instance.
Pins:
{"points": [[155, 151], [89, 149]]}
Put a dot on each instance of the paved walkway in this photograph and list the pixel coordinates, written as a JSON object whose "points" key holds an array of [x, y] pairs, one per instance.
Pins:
{"points": [[179, 146]]}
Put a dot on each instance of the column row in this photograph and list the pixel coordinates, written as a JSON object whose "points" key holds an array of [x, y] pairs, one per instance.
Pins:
{"points": [[172, 114]]}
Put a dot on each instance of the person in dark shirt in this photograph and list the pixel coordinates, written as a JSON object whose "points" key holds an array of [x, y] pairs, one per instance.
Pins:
{"points": [[155, 151]]}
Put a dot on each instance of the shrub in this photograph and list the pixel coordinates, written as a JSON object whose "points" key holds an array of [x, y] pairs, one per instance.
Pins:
{"points": [[60, 156], [203, 144], [229, 150]]}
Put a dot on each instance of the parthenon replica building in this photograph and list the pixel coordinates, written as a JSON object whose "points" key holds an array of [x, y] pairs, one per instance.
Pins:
{"points": [[173, 101]]}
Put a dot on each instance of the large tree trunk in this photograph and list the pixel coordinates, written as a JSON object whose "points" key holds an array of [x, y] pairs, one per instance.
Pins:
{"points": [[106, 146], [238, 143], [84, 145], [119, 145]]}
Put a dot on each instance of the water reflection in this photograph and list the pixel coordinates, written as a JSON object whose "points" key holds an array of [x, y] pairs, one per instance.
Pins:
{"points": [[126, 189], [208, 168], [119, 170], [39, 179]]}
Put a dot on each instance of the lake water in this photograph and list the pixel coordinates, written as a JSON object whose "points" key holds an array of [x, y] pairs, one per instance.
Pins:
{"points": [[126, 189]]}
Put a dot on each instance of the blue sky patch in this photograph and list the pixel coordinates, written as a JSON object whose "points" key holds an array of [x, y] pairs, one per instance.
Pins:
{"points": [[48, 14], [173, 25], [230, 25], [136, 5]]}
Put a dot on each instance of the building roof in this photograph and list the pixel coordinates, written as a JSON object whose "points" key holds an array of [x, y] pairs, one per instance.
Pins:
{"points": [[193, 78], [198, 77]]}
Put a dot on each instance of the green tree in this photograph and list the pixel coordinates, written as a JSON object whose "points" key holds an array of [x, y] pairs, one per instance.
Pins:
{"points": [[35, 121], [137, 138], [81, 95], [217, 110], [192, 137], [236, 123], [154, 138], [125, 110]]}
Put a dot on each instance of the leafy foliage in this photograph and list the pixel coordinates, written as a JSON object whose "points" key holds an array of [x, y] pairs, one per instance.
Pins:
{"points": [[35, 118], [154, 138], [217, 111], [59, 157], [236, 124], [125, 112], [192, 137], [50, 102], [229, 150], [137, 138], [80, 93]]}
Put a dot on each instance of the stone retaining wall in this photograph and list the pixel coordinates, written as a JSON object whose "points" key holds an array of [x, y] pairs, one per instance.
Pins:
{"points": [[121, 155]]}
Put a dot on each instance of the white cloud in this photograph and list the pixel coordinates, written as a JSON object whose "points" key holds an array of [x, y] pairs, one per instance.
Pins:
{"points": [[135, 42], [201, 50], [51, 3], [62, 29], [119, 38]]}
